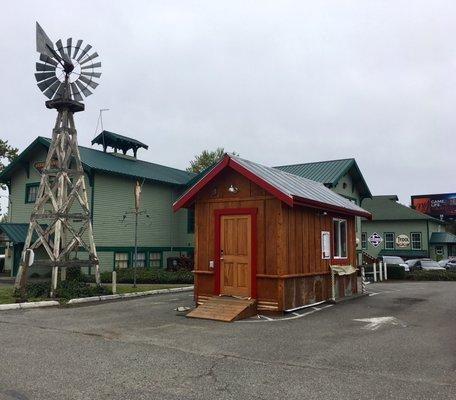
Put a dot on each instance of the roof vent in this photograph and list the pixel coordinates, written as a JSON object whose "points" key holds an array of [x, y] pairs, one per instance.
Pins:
{"points": [[118, 142]]}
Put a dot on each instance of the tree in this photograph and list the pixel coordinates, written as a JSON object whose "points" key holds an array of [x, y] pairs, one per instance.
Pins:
{"points": [[206, 159], [7, 152]]}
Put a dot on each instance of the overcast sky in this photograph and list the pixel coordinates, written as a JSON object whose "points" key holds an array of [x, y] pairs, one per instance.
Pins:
{"points": [[279, 82]]}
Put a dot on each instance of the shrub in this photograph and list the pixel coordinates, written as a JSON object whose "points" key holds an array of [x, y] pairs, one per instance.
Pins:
{"points": [[35, 275], [71, 289], [74, 274], [35, 290], [150, 276], [395, 271], [433, 276]]}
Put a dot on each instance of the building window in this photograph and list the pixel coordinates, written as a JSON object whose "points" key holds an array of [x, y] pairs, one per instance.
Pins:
{"points": [[155, 260], [364, 241], [141, 260], [120, 260], [340, 238], [31, 191], [389, 241], [416, 240], [191, 220]]}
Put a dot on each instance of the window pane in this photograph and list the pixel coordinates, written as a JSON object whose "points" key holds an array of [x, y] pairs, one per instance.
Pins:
{"points": [[32, 192], [416, 241], [121, 260], [141, 260], [389, 241], [336, 238], [343, 238], [155, 259]]}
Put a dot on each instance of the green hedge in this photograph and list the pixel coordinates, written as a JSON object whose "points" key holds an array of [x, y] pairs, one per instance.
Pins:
{"points": [[432, 276], [146, 275]]}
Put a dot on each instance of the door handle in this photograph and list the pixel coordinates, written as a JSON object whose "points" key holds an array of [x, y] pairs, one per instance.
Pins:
{"points": [[221, 254]]}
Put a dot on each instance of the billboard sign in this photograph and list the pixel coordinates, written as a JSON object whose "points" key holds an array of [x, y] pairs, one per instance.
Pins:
{"points": [[436, 205]]}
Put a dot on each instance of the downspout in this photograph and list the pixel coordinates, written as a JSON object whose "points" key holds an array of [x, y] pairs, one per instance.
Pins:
{"points": [[428, 239]]}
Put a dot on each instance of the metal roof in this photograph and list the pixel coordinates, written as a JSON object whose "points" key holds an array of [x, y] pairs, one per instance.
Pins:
{"points": [[110, 163], [16, 232], [107, 138], [385, 208], [330, 172], [442, 238], [291, 188]]}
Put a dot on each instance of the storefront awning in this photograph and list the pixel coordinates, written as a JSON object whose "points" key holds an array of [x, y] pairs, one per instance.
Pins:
{"points": [[15, 233], [442, 238], [404, 253]]}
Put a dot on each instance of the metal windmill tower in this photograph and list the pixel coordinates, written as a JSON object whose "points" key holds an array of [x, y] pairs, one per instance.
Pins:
{"points": [[60, 221]]}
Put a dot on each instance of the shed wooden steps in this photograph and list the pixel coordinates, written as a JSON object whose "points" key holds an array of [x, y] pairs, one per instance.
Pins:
{"points": [[223, 308]]}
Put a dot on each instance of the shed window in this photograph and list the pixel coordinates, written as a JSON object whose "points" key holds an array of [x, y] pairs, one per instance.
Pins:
{"points": [[364, 240], [155, 260], [120, 260], [389, 241], [31, 191], [416, 240], [340, 238], [141, 260]]}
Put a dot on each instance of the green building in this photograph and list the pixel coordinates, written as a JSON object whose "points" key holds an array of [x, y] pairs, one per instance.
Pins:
{"points": [[342, 176], [110, 179], [403, 231]]}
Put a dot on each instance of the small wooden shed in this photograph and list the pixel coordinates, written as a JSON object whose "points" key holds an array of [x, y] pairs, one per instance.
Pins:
{"points": [[268, 235]]}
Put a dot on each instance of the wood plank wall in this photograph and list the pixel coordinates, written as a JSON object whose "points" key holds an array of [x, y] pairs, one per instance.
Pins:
{"points": [[288, 239]]}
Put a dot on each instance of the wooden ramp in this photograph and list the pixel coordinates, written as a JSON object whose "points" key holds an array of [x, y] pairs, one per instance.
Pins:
{"points": [[222, 308]]}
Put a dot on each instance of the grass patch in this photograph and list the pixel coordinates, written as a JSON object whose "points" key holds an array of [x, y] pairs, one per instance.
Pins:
{"points": [[144, 288], [6, 295]]}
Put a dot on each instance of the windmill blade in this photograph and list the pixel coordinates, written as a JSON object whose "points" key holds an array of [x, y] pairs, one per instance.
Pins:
{"points": [[83, 89], [44, 75], [76, 94], [96, 65], [44, 67], [47, 83], [84, 52], [43, 43], [94, 55], [88, 82], [76, 49], [93, 74], [68, 47], [49, 93], [59, 46], [49, 60]]}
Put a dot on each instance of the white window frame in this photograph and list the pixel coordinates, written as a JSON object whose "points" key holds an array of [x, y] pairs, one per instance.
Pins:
{"points": [[385, 235], [412, 241], [159, 259], [325, 245], [141, 259], [336, 249]]}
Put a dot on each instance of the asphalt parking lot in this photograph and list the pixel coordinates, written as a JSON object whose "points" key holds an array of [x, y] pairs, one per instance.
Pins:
{"points": [[398, 343]]}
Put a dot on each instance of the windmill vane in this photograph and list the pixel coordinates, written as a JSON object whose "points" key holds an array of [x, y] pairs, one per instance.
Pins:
{"points": [[66, 72]]}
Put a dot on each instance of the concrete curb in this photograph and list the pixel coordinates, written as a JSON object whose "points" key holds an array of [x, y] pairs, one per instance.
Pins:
{"points": [[128, 295], [24, 306]]}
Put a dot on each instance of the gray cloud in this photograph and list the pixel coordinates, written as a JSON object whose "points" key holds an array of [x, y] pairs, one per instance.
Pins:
{"points": [[279, 82]]}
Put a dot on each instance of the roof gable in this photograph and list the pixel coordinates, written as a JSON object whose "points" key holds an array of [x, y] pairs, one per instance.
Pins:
{"points": [[384, 208], [289, 188], [93, 159], [330, 172]]}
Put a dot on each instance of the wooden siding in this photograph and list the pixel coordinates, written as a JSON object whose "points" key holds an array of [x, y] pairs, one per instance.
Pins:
{"points": [[290, 268]]}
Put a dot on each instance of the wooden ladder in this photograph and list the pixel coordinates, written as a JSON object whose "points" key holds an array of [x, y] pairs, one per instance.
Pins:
{"points": [[223, 308]]}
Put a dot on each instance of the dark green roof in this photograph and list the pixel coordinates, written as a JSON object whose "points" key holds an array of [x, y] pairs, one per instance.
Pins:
{"points": [[404, 253], [110, 163], [115, 140], [386, 208], [16, 232], [330, 172], [442, 238]]}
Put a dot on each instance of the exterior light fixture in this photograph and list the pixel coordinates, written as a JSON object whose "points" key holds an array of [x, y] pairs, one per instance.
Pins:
{"points": [[233, 189]]}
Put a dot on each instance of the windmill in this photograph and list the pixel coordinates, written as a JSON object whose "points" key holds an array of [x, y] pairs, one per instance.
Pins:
{"points": [[60, 222]]}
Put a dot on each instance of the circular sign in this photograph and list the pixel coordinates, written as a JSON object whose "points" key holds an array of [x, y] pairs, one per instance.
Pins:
{"points": [[402, 241]]}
